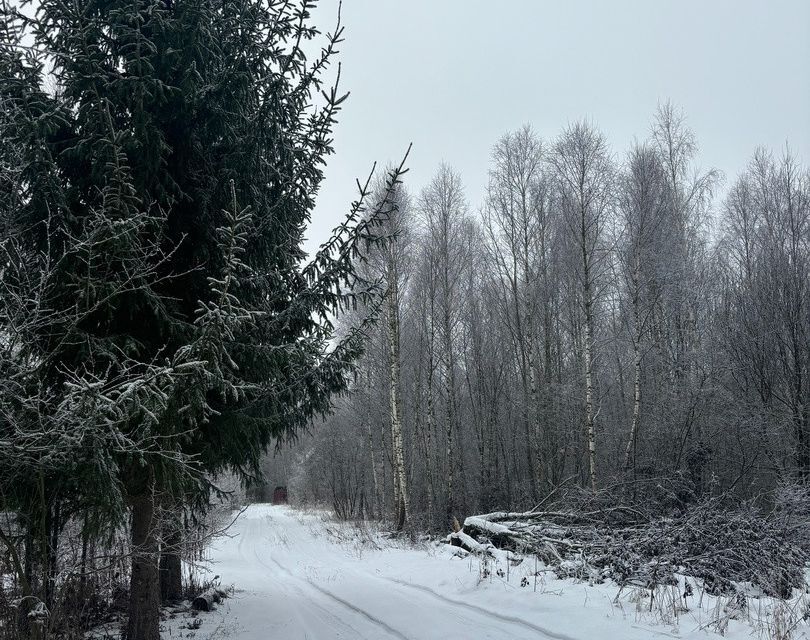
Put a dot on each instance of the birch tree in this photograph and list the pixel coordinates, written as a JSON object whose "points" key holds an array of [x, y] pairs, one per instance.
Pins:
{"points": [[395, 252], [442, 207], [584, 173], [520, 226], [643, 240], [679, 325], [425, 301]]}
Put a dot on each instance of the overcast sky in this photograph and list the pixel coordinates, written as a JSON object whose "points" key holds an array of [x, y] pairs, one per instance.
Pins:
{"points": [[452, 76]]}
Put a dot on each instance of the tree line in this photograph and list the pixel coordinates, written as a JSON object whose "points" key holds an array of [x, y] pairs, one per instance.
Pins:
{"points": [[598, 321]]}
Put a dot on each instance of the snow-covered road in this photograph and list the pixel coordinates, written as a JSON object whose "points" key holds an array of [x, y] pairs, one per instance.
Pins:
{"points": [[301, 575], [294, 582]]}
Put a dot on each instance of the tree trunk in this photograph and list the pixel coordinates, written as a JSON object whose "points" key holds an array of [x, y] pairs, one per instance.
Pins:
{"points": [[144, 593], [377, 508], [83, 563], [589, 412], [449, 378], [630, 449], [171, 576], [207, 599], [449, 419], [429, 428], [400, 481], [534, 413], [53, 526]]}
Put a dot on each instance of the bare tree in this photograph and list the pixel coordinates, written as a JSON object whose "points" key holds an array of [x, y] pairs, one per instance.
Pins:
{"points": [[519, 223], [424, 293], [388, 264], [590, 325], [767, 218], [584, 172], [643, 238], [394, 253], [684, 286], [443, 208]]}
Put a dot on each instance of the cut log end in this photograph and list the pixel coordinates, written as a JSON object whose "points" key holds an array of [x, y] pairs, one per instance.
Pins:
{"points": [[207, 599]]}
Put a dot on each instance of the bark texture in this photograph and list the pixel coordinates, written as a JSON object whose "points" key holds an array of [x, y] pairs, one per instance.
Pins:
{"points": [[400, 480], [144, 593]]}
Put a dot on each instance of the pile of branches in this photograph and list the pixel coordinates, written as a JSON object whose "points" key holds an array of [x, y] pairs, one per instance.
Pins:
{"points": [[644, 537]]}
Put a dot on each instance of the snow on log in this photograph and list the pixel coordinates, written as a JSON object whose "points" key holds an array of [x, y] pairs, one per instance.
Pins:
{"points": [[499, 516], [499, 535], [483, 524], [461, 539]]}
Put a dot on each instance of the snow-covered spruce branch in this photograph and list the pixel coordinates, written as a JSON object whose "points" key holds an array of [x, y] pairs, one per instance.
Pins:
{"points": [[329, 271]]}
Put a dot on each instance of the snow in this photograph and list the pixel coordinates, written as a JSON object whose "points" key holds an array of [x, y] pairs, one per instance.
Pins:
{"points": [[469, 542], [302, 575], [486, 525]]}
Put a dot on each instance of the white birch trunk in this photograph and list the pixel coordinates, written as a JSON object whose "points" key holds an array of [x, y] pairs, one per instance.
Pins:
{"points": [[401, 506], [589, 413], [629, 451], [429, 429], [449, 380]]}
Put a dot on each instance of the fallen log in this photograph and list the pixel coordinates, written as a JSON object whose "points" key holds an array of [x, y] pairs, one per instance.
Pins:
{"points": [[468, 543], [207, 599], [500, 536]]}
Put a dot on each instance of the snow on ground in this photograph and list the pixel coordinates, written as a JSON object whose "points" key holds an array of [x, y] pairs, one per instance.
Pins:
{"points": [[302, 575]]}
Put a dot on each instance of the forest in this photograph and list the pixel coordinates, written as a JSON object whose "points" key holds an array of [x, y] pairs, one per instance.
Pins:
{"points": [[604, 365], [607, 359], [602, 320]]}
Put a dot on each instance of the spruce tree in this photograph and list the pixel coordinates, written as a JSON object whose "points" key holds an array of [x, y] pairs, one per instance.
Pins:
{"points": [[160, 162]]}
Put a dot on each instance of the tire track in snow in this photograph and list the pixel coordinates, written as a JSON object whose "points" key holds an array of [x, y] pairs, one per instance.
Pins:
{"points": [[362, 612], [365, 614], [491, 619], [465, 615], [551, 635], [339, 622], [253, 531]]}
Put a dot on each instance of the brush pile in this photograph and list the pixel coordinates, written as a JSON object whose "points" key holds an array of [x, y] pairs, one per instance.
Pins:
{"points": [[644, 539]]}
